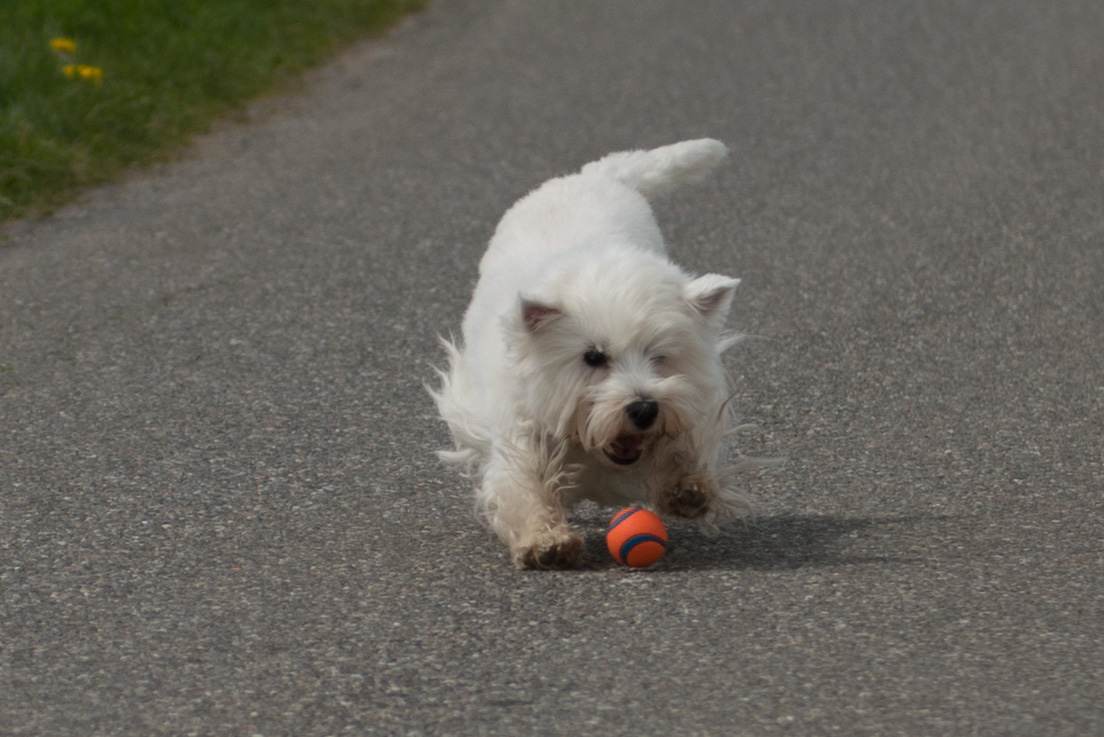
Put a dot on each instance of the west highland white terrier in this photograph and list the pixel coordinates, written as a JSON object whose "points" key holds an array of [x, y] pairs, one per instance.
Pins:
{"points": [[590, 366]]}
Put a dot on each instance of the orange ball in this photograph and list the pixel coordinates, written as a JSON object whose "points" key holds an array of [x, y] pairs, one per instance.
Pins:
{"points": [[636, 537]]}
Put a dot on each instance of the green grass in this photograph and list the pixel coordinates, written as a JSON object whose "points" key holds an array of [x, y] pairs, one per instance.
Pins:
{"points": [[168, 68]]}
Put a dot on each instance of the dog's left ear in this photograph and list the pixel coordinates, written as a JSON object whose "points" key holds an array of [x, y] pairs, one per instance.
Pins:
{"points": [[711, 295], [537, 315]]}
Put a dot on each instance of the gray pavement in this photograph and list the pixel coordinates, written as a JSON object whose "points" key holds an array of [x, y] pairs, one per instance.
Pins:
{"points": [[219, 509]]}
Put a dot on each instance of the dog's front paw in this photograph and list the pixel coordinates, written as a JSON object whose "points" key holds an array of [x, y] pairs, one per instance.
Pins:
{"points": [[555, 550], [690, 497]]}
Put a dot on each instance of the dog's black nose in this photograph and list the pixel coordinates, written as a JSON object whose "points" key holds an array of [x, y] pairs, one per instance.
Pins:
{"points": [[642, 414]]}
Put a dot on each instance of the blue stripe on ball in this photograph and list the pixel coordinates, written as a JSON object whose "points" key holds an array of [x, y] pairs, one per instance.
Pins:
{"points": [[635, 540], [622, 517]]}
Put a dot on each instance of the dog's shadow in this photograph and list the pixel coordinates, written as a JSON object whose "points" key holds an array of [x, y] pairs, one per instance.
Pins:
{"points": [[772, 543]]}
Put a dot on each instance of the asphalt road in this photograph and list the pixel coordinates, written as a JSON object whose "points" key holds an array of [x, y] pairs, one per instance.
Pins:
{"points": [[220, 510]]}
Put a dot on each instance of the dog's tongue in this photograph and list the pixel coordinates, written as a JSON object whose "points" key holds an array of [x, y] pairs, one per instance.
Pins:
{"points": [[625, 450]]}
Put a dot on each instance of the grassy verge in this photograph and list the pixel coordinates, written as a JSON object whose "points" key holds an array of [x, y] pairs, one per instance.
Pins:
{"points": [[89, 87]]}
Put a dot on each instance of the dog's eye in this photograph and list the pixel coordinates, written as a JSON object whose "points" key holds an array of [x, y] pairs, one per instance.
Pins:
{"points": [[595, 358]]}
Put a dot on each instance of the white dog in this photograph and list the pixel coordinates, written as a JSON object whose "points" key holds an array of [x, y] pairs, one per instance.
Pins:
{"points": [[590, 366]]}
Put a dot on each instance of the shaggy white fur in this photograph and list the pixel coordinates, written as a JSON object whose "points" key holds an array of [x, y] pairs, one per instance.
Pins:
{"points": [[590, 365]]}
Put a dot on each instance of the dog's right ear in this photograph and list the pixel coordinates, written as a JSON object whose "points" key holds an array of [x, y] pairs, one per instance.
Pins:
{"points": [[711, 295], [537, 315]]}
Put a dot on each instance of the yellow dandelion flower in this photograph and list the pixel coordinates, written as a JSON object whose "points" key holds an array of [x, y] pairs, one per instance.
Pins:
{"points": [[92, 74], [82, 71], [63, 45]]}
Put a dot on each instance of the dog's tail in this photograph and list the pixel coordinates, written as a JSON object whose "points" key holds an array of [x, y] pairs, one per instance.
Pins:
{"points": [[662, 169]]}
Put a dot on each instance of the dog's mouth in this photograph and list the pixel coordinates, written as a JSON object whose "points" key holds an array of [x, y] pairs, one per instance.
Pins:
{"points": [[626, 450]]}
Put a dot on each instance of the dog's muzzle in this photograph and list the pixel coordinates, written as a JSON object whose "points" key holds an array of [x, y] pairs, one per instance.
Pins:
{"points": [[626, 450], [643, 413]]}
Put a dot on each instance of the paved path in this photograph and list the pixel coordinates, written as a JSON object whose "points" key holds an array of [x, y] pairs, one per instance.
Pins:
{"points": [[220, 512]]}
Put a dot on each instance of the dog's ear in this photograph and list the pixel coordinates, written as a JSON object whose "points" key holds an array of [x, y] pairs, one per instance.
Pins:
{"points": [[537, 315], [711, 295]]}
